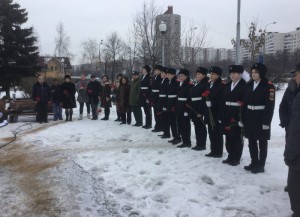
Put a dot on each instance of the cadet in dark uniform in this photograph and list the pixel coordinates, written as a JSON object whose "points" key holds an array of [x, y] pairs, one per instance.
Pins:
{"points": [[154, 97], [213, 97], [198, 107], [259, 102], [231, 115], [162, 104], [170, 105], [144, 97], [94, 90], [181, 109]]}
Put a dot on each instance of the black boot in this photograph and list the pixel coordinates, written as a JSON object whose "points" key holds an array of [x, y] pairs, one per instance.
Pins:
{"points": [[67, 115], [71, 113], [250, 166]]}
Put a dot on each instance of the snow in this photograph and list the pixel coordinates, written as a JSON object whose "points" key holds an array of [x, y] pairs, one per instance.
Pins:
{"points": [[101, 168]]}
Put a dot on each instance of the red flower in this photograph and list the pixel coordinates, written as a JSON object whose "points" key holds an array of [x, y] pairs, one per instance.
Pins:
{"points": [[66, 92], [90, 91], [206, 93], [38, 99], [241, 103], [228, 128], [232, 120]]}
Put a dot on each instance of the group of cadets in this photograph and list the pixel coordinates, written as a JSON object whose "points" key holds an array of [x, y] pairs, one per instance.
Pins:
{"points": [[237, 109]]}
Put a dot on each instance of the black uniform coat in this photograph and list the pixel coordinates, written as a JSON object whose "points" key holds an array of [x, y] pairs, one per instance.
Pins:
{"points": [[56, 93], [94, 89], [145, 90], [163, 89], [263, 95], [198, 107], [155, 90], [68, 91], [215, 97], [230, 113], [285, 108], [172, 90], [183, 92], [292, 148]]}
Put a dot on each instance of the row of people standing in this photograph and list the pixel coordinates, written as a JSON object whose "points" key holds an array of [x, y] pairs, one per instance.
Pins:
{"points": [[236, 109]]}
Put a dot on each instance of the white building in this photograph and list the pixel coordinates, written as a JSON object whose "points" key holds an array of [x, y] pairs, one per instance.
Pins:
{"points": [[292, 40], [274, 42]]}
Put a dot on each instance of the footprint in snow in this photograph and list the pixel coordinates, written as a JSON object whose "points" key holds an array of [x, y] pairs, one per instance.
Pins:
{"points": [[207, 180], [125, 151], [134, 214], [158, 162]]}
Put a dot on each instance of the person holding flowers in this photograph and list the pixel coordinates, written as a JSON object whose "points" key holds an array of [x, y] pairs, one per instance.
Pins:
{"points": [[231, 115], [213, 98]]}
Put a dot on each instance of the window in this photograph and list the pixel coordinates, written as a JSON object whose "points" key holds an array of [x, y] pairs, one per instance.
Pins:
{"points": [[51, 69], [56, 68]]}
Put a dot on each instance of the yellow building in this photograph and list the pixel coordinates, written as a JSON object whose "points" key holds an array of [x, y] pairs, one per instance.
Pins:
{"points": [[55, 67]]}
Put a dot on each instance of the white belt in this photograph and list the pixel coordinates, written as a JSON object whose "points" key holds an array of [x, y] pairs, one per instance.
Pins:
{"points": [[162, 95], [144, 88], [196, 98], [155, 91], [257, 107], [232, 103], [172, 96], [182, 99]]}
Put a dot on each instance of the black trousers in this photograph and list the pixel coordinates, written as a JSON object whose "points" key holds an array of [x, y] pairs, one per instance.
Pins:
{"points": [[184, 128], [294, 190], [88, 107], [94, 106], [42, 112], [216, 138], [126, 117], [234, 145], [106, 112], [258, 151], [164, 121], [172, 122], [148, 114], [157, 118], [200, 131], [137, 113]]}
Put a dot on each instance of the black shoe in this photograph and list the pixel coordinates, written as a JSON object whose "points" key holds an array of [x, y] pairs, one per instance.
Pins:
{"points": [[147, 127], [227, 161], [129, 123], [40, 122], [122, 123], [258, 169], [155, 131], [286, 189], [199, 148], [249, 167], [137, 125], [165, 137], [46, 122], [184, 146], [118, 119], [60, 119], [217, 156], [104, 119], [234, 163], [172, 140], [209, 154], [161, 135], [93, 119], [176, 141]]}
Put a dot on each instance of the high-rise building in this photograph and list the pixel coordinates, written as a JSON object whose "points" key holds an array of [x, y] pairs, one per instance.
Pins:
{"points": [[292, 40], [171, 37], [274, 42]]}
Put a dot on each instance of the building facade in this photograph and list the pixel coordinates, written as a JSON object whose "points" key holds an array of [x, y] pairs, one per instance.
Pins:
{"points": [[55, 67]]}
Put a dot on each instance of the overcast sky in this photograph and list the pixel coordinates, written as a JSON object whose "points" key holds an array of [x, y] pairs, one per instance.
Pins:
{"points": [[85, 19]]}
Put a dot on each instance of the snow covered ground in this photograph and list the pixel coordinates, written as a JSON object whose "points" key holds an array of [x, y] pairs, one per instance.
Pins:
{"points": [[99, 168]]}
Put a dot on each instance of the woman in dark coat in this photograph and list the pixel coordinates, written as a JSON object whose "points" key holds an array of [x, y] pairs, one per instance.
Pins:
{"points": [[68, 91], [259, 101], [124, 91], [105, 97]]}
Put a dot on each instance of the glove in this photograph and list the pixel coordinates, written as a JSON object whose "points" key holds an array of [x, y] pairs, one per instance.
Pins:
{"points": [[147, 101], [265, 127], [208, 104], [220, 122], [185, 114], [199, 116], [241, 125], [164, 109]]}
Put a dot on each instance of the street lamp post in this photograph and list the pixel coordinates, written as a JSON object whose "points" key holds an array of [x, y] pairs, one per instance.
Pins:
{"points": [[100, 55], [238, 34], [163, 28]]}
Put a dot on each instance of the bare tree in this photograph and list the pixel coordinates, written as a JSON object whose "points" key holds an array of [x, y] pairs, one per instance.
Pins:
{"points": [[144, 22], [112, 49], [62, 42], [90, 53]]}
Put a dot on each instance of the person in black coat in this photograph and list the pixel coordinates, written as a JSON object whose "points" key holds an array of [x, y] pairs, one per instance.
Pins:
{"points": [[124, 107], [213, 96], [259, 101], [68, 91], [197, 108], [231, 113], [181, 108], [144, 97], [94, 90], [170, 105], [41, 95], [154, 97], [162, 105], [292, 149], [56, 100], [105, 97]]}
